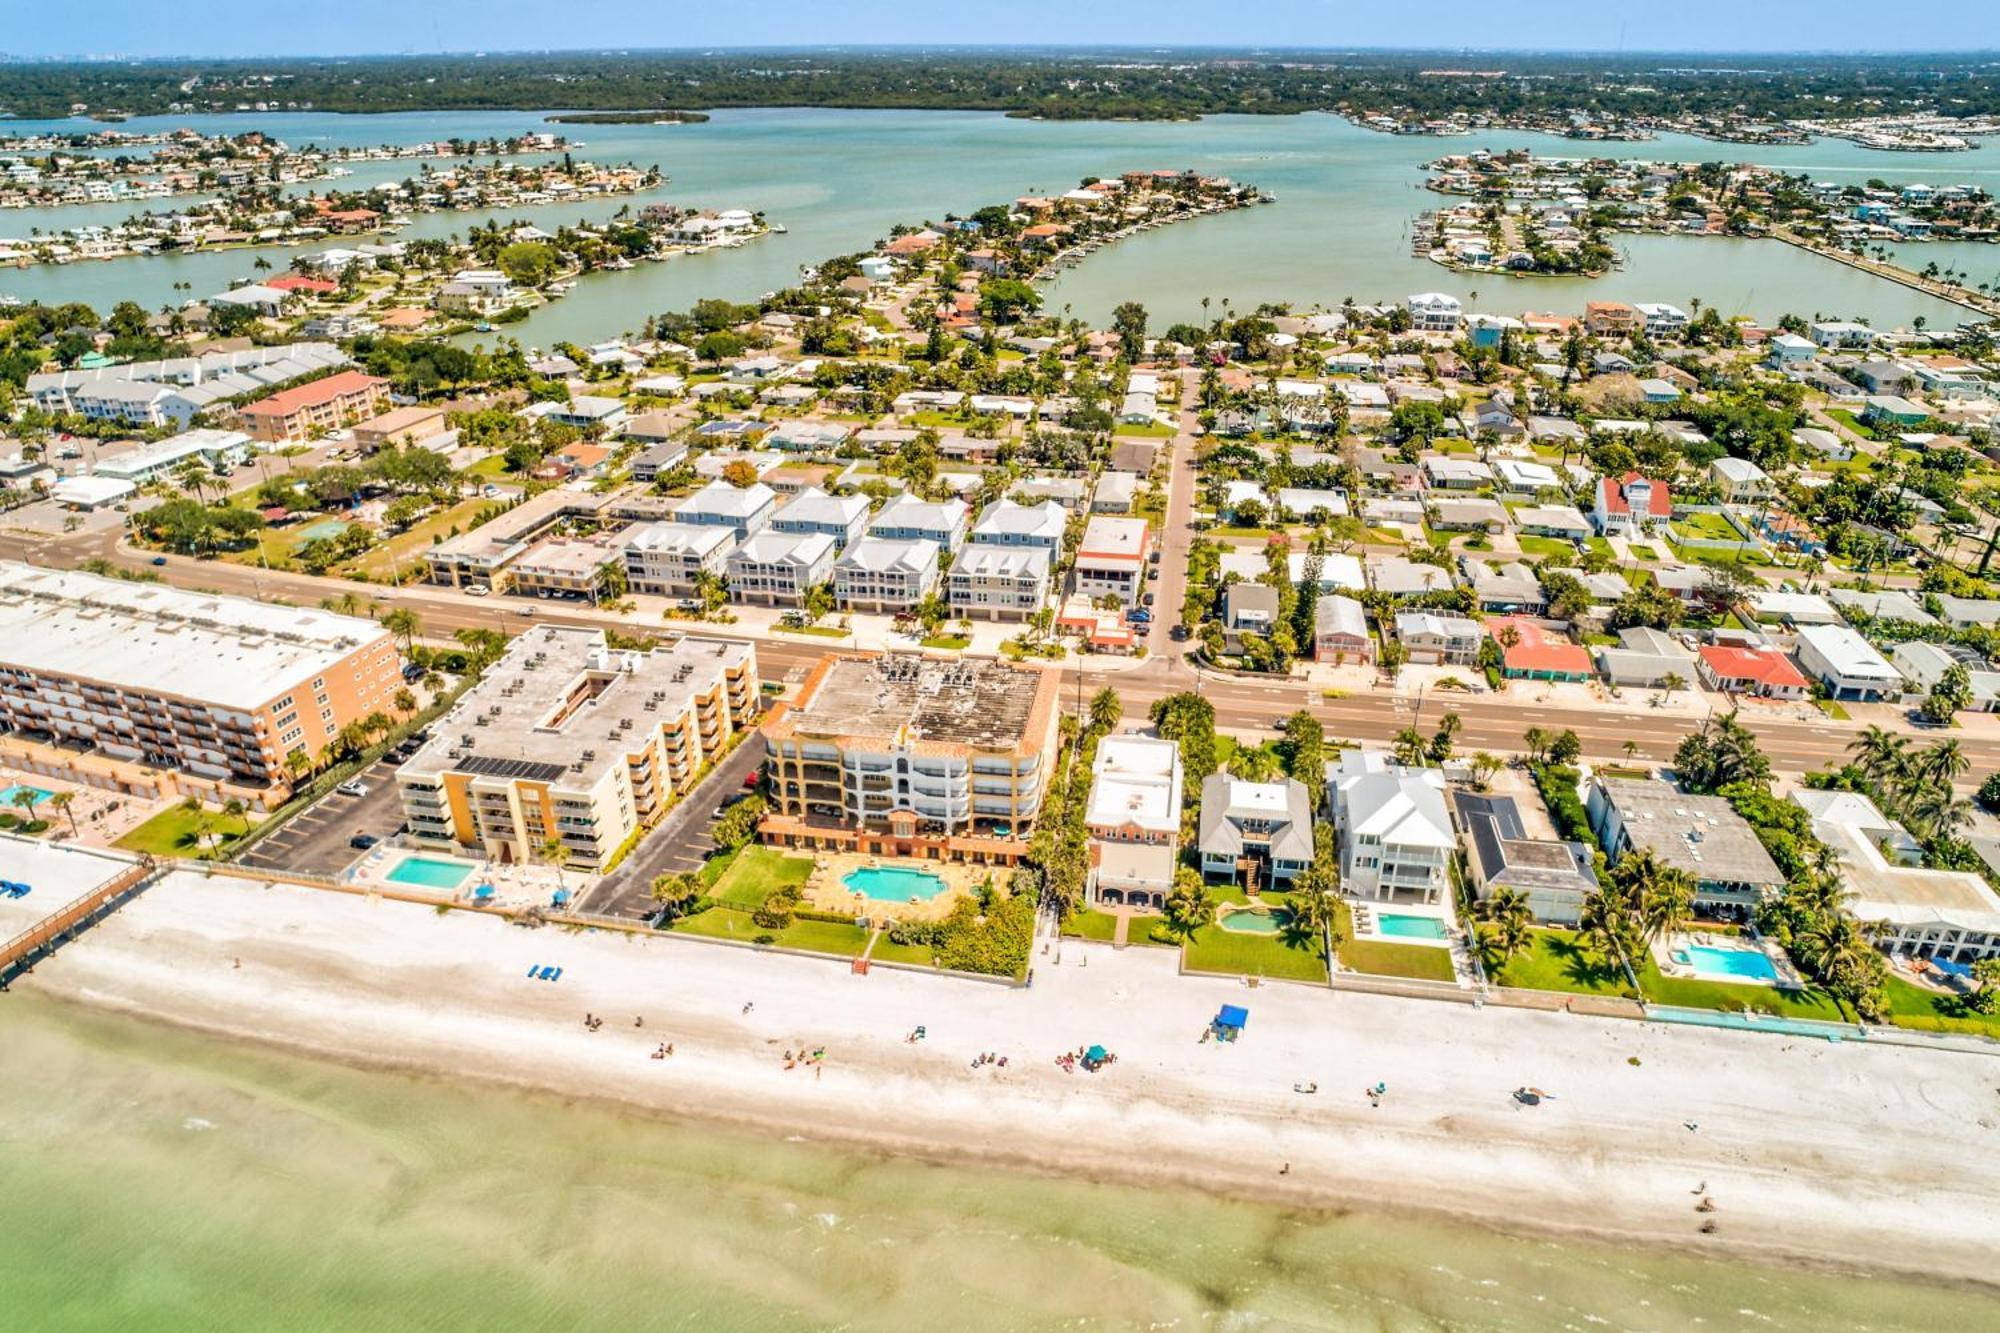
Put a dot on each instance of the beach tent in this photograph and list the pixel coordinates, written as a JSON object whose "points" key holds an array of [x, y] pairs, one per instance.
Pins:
{"points": [[1095, 1055], [1232, 1017]]}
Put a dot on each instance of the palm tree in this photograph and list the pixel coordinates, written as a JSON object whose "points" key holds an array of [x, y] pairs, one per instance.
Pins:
{"points": [[1105, 710], [237, 810], [405, 625], [1882, 755], [26, 799], [1668, 904], [553, 852], [1671, 682], [62, 801], [676, 893], [1506, 924], [1942, 764]]}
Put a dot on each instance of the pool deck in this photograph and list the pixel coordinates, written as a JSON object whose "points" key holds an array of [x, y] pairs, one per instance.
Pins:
{"points": [[1788, 977], [825, 892], [1367, 924]]}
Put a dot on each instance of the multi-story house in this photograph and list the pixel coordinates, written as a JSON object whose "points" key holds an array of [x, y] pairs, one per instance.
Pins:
{"points": [[875, 574], [1395, 833], [780, 568], [907, 519], [1261, 832], [669, 558], [720, 505], [998, 582], [842, 518]]}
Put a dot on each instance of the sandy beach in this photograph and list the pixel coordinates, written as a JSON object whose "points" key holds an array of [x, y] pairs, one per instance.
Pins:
{"points": [[1852, 1156]]}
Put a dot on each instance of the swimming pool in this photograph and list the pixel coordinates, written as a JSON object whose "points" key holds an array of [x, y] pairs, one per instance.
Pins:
{"points": [[1713, 964], [891, 884], [430, 874], [1254, 923], [7, 796], [1410, 927]]}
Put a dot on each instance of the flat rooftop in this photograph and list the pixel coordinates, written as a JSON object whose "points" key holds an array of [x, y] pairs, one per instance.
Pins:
{"points": [[1699, 834], [230, 651], [561, 707], [904, 699]]}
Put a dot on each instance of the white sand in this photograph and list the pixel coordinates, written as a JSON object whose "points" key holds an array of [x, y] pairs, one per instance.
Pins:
{"points": [[1876, 1157]]}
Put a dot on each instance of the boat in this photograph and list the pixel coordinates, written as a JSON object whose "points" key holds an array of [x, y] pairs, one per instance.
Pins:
{"points": [[778, 227]]}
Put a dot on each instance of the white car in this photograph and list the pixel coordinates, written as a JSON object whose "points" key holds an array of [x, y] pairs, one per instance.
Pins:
{"points": [[351, 788], [475, 591]]}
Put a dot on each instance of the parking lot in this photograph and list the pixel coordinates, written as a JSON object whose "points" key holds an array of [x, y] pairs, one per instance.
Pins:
{"points": [[315, 842], [680, 843]]}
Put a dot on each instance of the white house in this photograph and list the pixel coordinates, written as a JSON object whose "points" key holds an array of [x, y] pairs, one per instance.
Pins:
{"points": [[879, 574], [1847, 664], [1434, 312], [779, 568], [1134, 820], [1739, 480], [1394, 831]]}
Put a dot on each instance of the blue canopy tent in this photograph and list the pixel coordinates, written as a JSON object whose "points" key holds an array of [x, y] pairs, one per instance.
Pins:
{"points": [[1229, 1022]]}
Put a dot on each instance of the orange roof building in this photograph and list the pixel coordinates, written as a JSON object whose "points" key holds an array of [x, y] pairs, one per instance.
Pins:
{"points": [[296, 416], [1538, 653]]}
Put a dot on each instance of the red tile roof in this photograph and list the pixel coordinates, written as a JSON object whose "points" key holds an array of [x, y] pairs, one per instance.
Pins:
{"points": [[1538, 651], [1765, 666], [1661, 505], [311, 395], [292, 282]]}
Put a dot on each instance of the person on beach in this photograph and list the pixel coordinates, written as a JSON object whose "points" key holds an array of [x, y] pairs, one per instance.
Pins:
{"points": [[639, 1020]]}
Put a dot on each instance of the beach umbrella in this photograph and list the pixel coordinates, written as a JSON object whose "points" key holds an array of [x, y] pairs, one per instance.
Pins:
{"points": [[1095, 1055]]}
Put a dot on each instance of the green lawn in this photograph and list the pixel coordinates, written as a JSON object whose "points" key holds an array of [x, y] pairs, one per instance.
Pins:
{"points": [[1555, 961], [1419, 962], [419, 537], [1852, 422], [888, 951], [1916, 1008], [1150, 931], [949, 641], [1236, 953], [1641, 551], [1157, 430], [178, 831], [1832, 708], [1558, 962], [727, 923], [1089, 925], [1712, 526], [756, 872], [1540, 548]]}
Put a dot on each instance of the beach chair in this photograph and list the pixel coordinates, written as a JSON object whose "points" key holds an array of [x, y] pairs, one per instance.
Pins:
{"points": [[534, 970], [546, 974], [555, 974]]}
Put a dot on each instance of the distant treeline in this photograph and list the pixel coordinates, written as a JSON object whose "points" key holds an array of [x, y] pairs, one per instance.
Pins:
{"points": [[1066, 84]]}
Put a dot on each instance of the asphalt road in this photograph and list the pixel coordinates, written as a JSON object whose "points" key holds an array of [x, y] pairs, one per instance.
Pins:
{"points": [[1241, 705]]}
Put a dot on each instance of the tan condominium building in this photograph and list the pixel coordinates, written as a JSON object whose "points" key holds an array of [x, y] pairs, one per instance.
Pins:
{"points": [[569, 739], [902, 755], [296, 416], [157, 691]]}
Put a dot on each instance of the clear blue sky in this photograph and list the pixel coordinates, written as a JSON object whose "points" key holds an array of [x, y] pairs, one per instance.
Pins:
{"points": [[335, 27]]}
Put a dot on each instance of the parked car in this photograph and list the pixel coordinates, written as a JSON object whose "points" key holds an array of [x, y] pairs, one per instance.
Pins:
{"points": [[159, 560], [363, 841], [475, 591], [352, 788], [411, 671]]}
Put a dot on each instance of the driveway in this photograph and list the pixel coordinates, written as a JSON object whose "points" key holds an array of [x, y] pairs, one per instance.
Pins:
{"points": [[681, 842]]}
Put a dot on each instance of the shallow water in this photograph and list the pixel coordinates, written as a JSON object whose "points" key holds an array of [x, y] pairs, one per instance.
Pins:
{"points": [[838, 180], [157, 1180]]}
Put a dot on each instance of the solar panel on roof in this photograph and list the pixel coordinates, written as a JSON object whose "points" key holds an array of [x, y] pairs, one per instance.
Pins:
{"points": [[485, 766]]}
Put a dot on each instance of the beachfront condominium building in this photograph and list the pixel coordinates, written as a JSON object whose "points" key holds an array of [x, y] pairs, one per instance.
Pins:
{"points": [[566, 739], [1134, 820], [152, 690], [900, 755], [1394, 831], [670, 558], [301, 415]]}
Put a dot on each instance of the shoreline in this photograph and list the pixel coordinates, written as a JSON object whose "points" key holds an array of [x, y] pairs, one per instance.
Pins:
{"points": [[1296, 1194], [388, 986]]}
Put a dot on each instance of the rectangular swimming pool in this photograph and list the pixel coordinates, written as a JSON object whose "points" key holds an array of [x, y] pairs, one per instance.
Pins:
{"points": [[428, 873], [1411, 927], [892, 884], [7, 796], [1713, 964]]}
